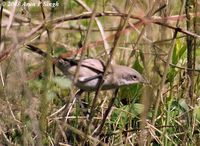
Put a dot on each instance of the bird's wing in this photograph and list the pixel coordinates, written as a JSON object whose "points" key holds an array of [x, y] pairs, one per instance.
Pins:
{"points": [[94, 64]]}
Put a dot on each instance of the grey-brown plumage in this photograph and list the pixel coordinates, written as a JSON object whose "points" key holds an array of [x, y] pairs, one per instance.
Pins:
{"points": [[91, 70], [90, 73]]}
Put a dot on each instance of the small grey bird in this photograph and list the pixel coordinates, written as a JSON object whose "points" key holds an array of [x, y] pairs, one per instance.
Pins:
{"points": [[89, 76], [91, 70]]}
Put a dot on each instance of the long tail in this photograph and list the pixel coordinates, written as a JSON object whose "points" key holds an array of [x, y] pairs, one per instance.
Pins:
{"points": [[36, 50]]}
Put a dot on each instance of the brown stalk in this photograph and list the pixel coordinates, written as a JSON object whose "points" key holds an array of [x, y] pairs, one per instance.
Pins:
{"points": [[102, 122], [117, 37], [101, 29], [85, 47], [147, 21], [18, 19], [28, 104], [1, 13], [88, 15], [166, 68], [142, 20], [179, 67], [150, 13], [4, 54], [114, 14], [145, 96], [190, 51], [137, 41], [11, 17], [191, 6], [43, 99]]}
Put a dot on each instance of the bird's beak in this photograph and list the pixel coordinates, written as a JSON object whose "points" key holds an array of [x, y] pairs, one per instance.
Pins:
{"points": [[144, 81]]}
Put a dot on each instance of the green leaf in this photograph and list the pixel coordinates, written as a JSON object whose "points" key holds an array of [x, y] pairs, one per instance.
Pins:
{"points": [[197, 113], [178, 53], [36, 84], [59, 51], [130, 93], [126, 112], [137, 66], [172, 74], [183, 104], [137, 109]]}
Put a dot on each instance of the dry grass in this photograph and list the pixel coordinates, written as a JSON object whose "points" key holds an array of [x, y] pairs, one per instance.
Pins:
{"points": [[160, 40]]}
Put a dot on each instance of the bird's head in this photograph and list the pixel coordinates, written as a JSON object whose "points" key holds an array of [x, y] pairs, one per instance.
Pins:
{"points": [[136, 77], [127, 76], [62, 64]]}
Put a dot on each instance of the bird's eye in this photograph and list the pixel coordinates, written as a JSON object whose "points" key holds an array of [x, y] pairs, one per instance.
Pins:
{"points": [[134, 76]]}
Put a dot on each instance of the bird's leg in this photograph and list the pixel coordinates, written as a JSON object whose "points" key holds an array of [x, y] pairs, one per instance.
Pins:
{"points": [[66, 111], [68, 107], [100, 127]]}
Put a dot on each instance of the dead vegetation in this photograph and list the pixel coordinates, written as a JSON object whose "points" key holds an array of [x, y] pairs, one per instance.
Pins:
{"points": [[160, 39]]}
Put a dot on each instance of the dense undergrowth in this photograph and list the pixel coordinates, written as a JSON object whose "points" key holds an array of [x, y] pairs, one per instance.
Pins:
{"points": [[158, 39]]}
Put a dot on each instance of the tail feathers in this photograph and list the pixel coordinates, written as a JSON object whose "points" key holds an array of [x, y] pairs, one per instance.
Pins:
{"points": [[36, 50]]}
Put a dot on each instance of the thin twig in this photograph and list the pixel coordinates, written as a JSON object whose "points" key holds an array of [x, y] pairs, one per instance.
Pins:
{"points": [[101, 29], [58, 111], [85, 42], [1, 13], [13, 113], [80, 133], [117, 36], [18, 19], [142, 20], [159, 95], [100, 127], [11, 17]]}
